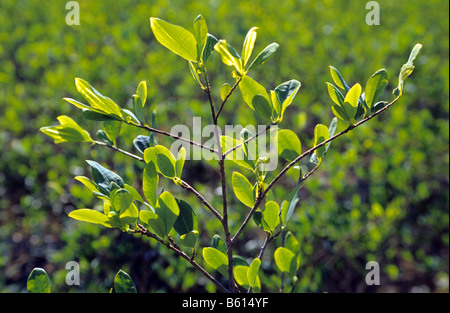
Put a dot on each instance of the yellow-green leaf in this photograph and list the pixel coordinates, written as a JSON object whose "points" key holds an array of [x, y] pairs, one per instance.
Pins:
{"points": [[249, 44], [175, 38], [243, 189], [68, 131]]}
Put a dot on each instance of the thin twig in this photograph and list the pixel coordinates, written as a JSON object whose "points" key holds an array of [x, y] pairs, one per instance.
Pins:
{"points": [[145, 232], [249, 139], [228, 96], [300, 157], [100, 143], [162, 132], [186, 186]]}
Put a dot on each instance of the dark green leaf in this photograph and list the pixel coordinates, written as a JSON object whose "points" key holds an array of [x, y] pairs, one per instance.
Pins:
{"points": [[103, 177], [38, 281], [186, 220], [123, 283]]}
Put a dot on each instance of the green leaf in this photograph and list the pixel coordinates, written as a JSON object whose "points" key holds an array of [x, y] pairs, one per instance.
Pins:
{"points": [[228, 55], [262, 106], [286, 261], [137, 107], [123, 283], [175, 38], [179, 164], [101, 134], [375, 86], [141, 91], [250, 88], [164, 160], [292, 243], [252, 273], [321, 134], [194, 73], [189, 239], [285, 93], [240, 273], [150, 183], [96, 100], [216, 259], [97, 116], [141, 143], [288, 206], [407, 69], [269, 218], [224, 90], [68, 131], [200, 34], [167, 210], [264, 55], [211, 41], [103, 177], [249, 44], [238, 155], [112, 129], [87, 183], [348, 110], [288, 145], [242, 189], [335, 94], [38, 281], [337, 78], [186, 220], [218, 243], [90, 216]]}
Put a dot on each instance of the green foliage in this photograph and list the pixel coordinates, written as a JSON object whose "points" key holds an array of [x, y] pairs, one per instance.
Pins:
{"points": [[40, 54], [38, 281]]}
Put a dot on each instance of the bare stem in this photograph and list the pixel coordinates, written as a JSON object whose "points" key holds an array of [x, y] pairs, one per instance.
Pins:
{"points": [[186, 186], [228, 96], [100, 143]]}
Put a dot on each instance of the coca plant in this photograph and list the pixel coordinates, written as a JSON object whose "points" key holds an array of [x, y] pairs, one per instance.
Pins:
{"points": [[172, 221]]}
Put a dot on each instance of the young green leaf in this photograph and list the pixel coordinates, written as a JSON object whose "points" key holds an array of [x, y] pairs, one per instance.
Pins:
{"points": [[200, 34], [123, 283], [269, 218], [288, 206], [189, 239], [249, 44], [96, 100], [321, 134], [164, 160], [141, 143], [224, 90], [167, 210], [338, 80], [375, 86], [150, 183], [216, 260], [187, 220], [141, 91], [179, 163], [252, 273], [68, 131], [211, 41], [335, 94], [242, 189], [112, 129], [288, 145], [38, 281], [286, 261], [175, 38], [218, 243], [407, 69], [90, 216], [262, 106], [264, 55], [250, 88], [229, 56], [285, 93], [103, 177]]}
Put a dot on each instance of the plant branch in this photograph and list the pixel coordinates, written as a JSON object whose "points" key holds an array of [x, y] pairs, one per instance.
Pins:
{"points": [[228, 96], [145, 232], [186, 186], [249, 139], [300, 157], [232, 285], [162, 132], [100, 143]]}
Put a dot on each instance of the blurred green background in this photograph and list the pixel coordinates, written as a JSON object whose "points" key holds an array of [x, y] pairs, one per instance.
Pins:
{"points": [[381, 194]]}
